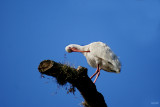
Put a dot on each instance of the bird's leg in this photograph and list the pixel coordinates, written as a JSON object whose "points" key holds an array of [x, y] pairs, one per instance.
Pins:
{"points": [[95, 72], [97, 76]]}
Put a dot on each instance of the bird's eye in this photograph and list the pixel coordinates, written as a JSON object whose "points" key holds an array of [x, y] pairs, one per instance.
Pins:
{"points": [[69, 49]]}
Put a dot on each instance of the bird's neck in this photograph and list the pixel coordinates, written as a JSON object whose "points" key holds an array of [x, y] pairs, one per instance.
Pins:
{"points": [[84, 48]]}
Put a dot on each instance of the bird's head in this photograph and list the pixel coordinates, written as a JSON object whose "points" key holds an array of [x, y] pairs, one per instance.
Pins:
{"points": [[73, 48], [76, 48]]}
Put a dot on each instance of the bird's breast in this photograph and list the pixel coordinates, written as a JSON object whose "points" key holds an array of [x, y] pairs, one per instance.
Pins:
{"points": [[92, 60]]}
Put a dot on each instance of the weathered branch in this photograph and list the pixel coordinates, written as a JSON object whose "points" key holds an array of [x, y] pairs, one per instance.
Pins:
{"points": [[77, 77]]}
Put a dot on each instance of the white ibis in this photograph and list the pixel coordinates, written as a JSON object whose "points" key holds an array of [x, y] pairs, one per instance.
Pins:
{"points": [[99, 56]]}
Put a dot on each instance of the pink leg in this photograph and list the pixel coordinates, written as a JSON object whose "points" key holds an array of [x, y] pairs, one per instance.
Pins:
{"points": [[97, 76], [95, 72]]}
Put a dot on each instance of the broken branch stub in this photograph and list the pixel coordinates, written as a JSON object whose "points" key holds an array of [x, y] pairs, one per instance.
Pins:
{"points": [[63, 73]]}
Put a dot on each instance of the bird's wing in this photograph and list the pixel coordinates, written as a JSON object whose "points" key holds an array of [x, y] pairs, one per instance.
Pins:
{"points": [[101, 50]]}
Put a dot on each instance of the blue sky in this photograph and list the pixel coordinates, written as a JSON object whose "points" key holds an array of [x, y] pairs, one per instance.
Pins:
{"points": [[35, 30]]}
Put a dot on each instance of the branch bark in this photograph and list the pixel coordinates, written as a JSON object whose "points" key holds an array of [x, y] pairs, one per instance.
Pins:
{"points": [[77, 77]]}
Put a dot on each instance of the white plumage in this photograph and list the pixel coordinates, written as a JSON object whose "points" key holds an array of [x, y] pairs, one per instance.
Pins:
{"points": [[99, 56]]}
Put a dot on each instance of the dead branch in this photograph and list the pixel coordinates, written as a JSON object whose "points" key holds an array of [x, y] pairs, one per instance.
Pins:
{"points": [[77, 77]]}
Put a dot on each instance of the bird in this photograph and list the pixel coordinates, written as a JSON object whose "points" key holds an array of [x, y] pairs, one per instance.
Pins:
{"points": [[98, 55]]}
